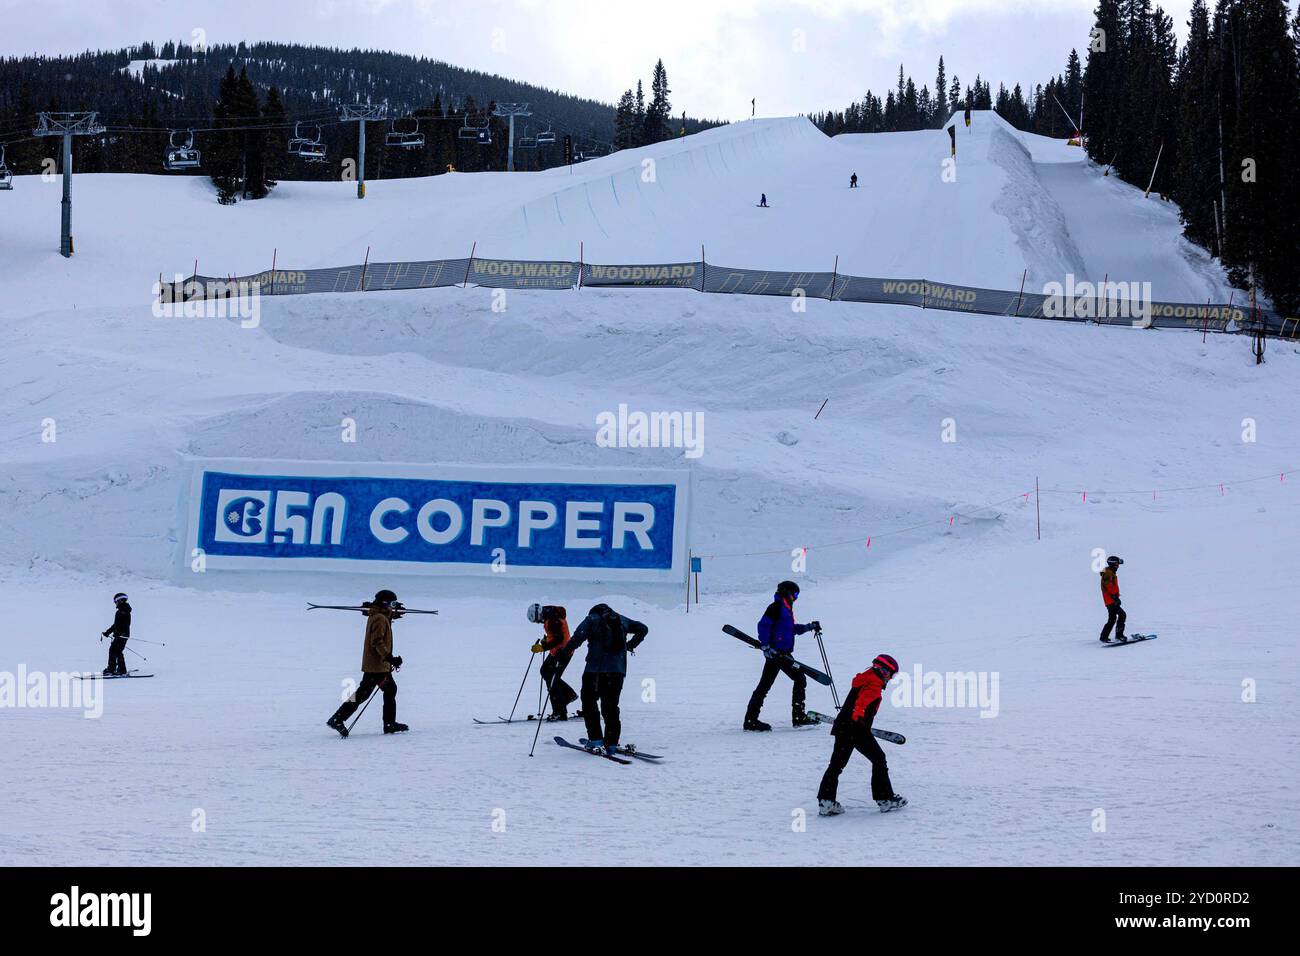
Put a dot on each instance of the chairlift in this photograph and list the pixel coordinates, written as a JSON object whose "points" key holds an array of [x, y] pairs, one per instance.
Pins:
{"points": [[546, 137], [6, 176], [481, 134], [181, 155], [407, 139], [309, 148], [527, 142]]}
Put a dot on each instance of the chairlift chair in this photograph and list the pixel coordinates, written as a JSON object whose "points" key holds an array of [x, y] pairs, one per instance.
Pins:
{"points": [[309, 148], [546, 137], [6, 176], [181, 155], [407, 139], [527, 142]]}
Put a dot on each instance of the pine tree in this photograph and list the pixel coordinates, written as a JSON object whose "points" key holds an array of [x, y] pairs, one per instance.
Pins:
{"points": [[660, 109], [941, 109]]}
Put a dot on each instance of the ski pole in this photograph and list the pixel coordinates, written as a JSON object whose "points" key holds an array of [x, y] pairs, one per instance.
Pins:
{"points": [[531, 655], [141, 640], [135, 652], [378, 687], [541, 714], [826, 662]]}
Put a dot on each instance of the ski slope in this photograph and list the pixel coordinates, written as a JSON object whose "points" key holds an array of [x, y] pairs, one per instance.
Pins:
{"points": [[1156, 736]]}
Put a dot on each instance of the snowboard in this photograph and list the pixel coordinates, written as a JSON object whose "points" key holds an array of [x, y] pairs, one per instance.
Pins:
{"points": [[812, 672], [891, 736], [629, 751], [1131, 639], [564, 743]]}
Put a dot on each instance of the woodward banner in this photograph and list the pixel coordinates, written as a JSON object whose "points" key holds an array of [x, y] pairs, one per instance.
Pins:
{"points": [[596, 525], [1106, 307]]}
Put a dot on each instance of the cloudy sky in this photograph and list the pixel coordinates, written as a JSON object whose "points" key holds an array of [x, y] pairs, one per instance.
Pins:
{"points": [[793, 55]]}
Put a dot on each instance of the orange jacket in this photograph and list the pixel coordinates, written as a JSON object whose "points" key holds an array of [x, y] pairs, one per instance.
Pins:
{"points": [[866, 690], [1109, 587], [556, 635]]}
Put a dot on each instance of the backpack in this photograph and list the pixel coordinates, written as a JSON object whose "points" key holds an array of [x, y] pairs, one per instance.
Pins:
{"points": [[607, 632]]}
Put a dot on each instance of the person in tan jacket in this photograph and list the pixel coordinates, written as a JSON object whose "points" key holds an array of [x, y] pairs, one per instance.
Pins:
{"points": [[377, 666]]}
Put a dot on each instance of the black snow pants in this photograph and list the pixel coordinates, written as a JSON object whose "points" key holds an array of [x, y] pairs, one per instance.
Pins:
{"points": [[562, 695], [864, 743], [369, 684], [600, 694], [1114, 616], [116, 659], [772, 667]]}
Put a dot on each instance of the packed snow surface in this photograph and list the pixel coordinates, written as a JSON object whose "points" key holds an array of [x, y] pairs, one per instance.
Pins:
{"points": [[1181, 749]]}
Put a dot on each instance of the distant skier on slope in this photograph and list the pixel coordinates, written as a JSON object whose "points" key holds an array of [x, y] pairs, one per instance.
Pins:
{"points": [[120, 632], [853, 181], [852, 731], [762, 202], [605, 632], [1115, 616], [378, 664], [776, 633], [555, 644]]}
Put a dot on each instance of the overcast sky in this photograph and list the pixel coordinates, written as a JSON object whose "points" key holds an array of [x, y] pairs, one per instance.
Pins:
{"points": [[793, 55]]}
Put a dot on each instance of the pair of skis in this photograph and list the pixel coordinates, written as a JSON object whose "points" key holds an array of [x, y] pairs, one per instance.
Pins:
{"points": [[531, 718], [132, 673], [891, 736], [812, 672], [624, 751]]}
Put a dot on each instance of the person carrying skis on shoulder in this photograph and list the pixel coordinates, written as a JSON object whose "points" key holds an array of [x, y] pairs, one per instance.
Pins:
{"points": [[555, 645], [378, 663], [776, 633], [120, 632], [1115, 616], [852, 731], [605, 632]]}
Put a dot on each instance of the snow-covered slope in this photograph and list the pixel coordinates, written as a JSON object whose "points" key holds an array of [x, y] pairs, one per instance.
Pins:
{"points": [[954, 578]]}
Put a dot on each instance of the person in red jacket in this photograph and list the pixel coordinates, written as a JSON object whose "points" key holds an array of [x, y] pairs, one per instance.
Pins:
{"points": [[852, 731], [1115, 616], [555, 644]]}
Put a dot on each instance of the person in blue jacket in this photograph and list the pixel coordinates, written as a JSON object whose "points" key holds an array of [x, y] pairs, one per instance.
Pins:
{"points": [[609, 637], [776, 633]]}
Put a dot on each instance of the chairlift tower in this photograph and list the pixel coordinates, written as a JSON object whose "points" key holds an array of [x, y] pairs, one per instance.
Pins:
{"points": [[67, 125], [360, 115], [510, 111]]}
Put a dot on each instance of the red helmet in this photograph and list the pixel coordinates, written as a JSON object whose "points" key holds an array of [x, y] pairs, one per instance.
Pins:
{"points": [[885, 666]]}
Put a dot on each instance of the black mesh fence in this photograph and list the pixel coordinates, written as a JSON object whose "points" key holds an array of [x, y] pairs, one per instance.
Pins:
{"points": [[1104, 308]]}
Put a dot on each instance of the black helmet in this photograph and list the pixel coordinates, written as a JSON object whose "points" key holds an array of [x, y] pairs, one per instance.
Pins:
{"points": [[788, 590], [119, 596], [1114, 562], [385, 597]]}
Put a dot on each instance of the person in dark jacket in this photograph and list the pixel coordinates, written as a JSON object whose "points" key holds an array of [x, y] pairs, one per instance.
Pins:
{"points": [[852, 731], [120, 632], [605, 632], [776, 633], [762, 200], [377, 665], [1115, 616], [853, 181], [555, 644]]}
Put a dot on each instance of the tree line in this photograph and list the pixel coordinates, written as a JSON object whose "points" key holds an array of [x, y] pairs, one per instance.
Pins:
{"points": [[1210, 126]]}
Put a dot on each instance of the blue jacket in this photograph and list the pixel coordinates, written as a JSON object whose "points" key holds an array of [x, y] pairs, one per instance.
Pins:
{"points": [[608, 636], [776, 628]]}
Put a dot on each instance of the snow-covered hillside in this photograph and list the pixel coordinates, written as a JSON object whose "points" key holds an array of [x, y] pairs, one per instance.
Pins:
{"points": [[954, 579]]}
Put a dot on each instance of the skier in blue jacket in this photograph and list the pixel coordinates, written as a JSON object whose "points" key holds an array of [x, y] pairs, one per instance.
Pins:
{"points": [[776, 633], [605, 632]]}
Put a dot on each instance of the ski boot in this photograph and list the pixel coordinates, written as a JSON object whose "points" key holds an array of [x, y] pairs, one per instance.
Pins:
{"points": [[893, 803], [395, 728], [611, 749], [829, 808], [756, 724], [801, 719], [555, 717], [337, 724], [107, 672], [1105, 640], [596, 746]]}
